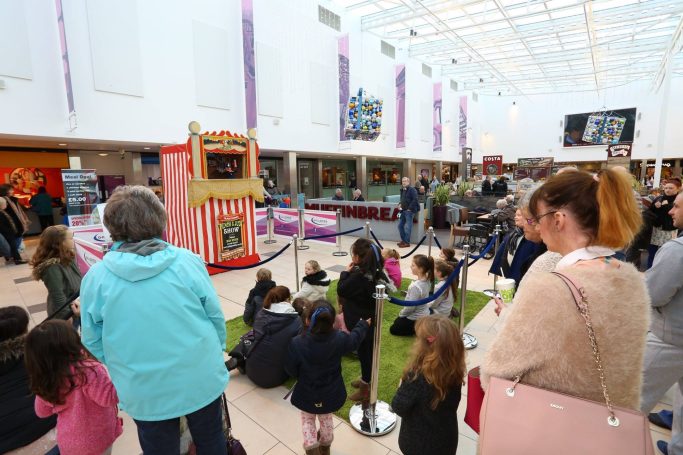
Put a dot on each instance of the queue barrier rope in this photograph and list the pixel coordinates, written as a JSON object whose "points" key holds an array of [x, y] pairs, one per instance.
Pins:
{"points": [[337, 234], [437, 242], [416, 247], [376, 239], [483, 252], [244, 267], [454, 274]]}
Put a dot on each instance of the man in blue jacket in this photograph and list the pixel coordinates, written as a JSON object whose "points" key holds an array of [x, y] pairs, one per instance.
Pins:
{"points": [[409, 207]]}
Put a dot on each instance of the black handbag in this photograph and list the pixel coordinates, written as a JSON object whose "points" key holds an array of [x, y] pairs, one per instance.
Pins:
{"points": [[234, 446]]}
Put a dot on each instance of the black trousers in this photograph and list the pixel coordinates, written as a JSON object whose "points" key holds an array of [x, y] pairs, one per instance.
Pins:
{"points": [[46, 221], [402, 327], [366, 347]]}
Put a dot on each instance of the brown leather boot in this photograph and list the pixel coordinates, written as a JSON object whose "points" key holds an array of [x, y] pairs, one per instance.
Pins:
{"points": [[363, 392], [324, 450], [356, 383]]}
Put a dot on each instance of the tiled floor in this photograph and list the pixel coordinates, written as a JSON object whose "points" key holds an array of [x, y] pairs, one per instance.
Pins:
{"points": [[262, 420]]}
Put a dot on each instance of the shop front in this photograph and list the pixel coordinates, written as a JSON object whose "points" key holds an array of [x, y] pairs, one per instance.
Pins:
{"points": [[338, 174], [669, 168], [384, 179]]}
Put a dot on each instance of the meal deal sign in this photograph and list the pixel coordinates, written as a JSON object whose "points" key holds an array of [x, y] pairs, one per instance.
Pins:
{"points": [[80, 192]]}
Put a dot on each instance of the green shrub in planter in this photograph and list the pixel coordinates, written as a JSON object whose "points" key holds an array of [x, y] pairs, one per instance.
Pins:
{"points": [[442, 195]]}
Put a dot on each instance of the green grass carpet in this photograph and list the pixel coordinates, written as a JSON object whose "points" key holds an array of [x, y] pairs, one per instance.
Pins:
{"points": [[394, 350]]}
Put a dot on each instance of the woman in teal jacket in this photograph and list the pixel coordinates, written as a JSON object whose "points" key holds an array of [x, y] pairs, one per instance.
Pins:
{"points": [[151, 315]]}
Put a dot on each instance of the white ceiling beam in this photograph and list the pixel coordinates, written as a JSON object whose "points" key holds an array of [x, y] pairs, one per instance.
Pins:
{"points": [[674, 48]]}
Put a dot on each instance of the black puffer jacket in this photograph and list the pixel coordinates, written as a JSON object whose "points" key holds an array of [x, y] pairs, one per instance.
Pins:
{"points": [[355, 291], [19, 424], [274, 328], [315, 361], [255, 299]]}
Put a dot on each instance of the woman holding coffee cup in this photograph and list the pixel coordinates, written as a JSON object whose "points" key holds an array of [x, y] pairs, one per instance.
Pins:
{"points": [[545, 337]]}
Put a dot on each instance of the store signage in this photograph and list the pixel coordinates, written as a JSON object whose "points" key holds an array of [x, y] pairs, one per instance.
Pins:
{"points": [[360, 212], [535, 162], [81, 194], [493, 165], [615, 150], [231, 236]]}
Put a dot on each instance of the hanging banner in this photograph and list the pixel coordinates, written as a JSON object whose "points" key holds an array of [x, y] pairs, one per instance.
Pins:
{"points": [[437, 117], [619, 155], [462, 142], [81, 194], [343, 57], [249, 62], [493, 165], [400, 106], [65, 58]]}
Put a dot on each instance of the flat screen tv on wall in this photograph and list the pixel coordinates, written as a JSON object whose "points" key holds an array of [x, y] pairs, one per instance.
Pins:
{"points": [[599, 128]]}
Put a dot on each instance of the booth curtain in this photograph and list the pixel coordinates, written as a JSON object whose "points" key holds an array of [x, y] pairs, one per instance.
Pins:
{"points": [[199, 191]]}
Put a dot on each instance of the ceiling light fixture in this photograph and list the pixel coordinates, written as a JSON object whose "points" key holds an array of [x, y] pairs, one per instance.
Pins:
{"points": [[146, 148], [103, 154], [514, 103], [62, 145], [481, 80], [498, 93], [454, 61]]}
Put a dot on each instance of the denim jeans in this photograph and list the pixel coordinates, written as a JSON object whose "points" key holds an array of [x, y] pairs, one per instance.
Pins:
{"points": [[5, 250], [206, 426], [405, 225]]}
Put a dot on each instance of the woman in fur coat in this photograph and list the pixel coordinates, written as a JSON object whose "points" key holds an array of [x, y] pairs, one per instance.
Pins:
{"points": [[545, 340]]}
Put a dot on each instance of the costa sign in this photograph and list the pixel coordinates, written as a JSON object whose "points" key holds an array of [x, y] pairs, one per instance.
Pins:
{"points": [[493, 165]]}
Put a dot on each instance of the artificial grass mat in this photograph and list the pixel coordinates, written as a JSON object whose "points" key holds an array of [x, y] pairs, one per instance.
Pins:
{"points": [[394, 351]]}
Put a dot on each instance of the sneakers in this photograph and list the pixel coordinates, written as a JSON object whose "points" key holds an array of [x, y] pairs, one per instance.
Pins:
{"points": [[662, 418], [403, 244], [663, 447], [20, 262]]}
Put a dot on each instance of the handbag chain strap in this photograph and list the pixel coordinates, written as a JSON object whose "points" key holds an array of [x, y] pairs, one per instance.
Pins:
{"points": [[581, 301]]}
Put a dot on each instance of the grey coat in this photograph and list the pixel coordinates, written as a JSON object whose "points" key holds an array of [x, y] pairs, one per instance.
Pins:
{"points": [[665, 284]]}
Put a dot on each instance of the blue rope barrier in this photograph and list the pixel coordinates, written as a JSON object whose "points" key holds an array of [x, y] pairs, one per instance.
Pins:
{"points": [[483, 252], [333, 235], [416, 247], [454, 274], [437, 243], [244, 267], [376, 239]]}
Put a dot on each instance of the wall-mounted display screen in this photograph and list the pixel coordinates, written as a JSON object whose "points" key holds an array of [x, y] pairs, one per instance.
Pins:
{"points": [[599, 128]]}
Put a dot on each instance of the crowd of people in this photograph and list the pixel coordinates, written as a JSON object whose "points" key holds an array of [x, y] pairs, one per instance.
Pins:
{"points": [[153, 332]]}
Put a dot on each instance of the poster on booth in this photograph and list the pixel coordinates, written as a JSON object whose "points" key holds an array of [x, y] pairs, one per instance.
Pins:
{"points": [[231, 236], [80, 192], [320, 223]]}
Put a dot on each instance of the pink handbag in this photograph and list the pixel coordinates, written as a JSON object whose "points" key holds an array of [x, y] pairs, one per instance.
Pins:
{"points": [[525, 420]]}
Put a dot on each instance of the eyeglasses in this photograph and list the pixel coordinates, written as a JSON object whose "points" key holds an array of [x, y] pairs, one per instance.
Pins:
{"points": [[537, 220]]}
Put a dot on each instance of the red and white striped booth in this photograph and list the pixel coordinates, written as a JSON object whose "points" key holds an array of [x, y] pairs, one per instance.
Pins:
{"points": [[213, 215]]}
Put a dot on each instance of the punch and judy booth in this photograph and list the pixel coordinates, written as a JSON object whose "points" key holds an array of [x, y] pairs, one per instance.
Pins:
{"points": [[210, 185]]}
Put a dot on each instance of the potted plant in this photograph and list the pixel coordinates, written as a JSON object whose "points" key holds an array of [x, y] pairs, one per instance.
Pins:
{"points": [[442, 195]]}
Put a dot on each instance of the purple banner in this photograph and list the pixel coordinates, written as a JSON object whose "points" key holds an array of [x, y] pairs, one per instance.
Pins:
{"points": [[400, 106], [286, 222], [437, 117], [249, 62], [463, 123], [343, 56], [320, 223], [65, 57], [261, 220]]}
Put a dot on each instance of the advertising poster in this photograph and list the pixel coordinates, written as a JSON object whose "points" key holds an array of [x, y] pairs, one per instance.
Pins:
{"points": [[344, 88], [231, 236], [249, 61], [91, 244], [462, 127], [493, 165], [261, 220], [285, 222], [320, 223], [81, 194]]}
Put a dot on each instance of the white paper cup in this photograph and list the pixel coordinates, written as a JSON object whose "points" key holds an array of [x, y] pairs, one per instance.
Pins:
{"points": [[506, 288]]}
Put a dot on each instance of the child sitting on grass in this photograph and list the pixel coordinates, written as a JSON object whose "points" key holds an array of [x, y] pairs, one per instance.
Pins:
{"points": [[423, 268], [392, 267], [315, 283], [254, 303]]}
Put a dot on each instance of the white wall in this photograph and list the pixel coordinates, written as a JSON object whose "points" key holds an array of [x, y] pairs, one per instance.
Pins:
{"points": [[533, 127]]}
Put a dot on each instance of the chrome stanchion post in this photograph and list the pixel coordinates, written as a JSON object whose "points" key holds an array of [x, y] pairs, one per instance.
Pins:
{"points": [[296, 261], [302, 231], [496, 232], [269, 222], [377, 418], [430, 237], [367, 230], [339, 251], [468, 340]]}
